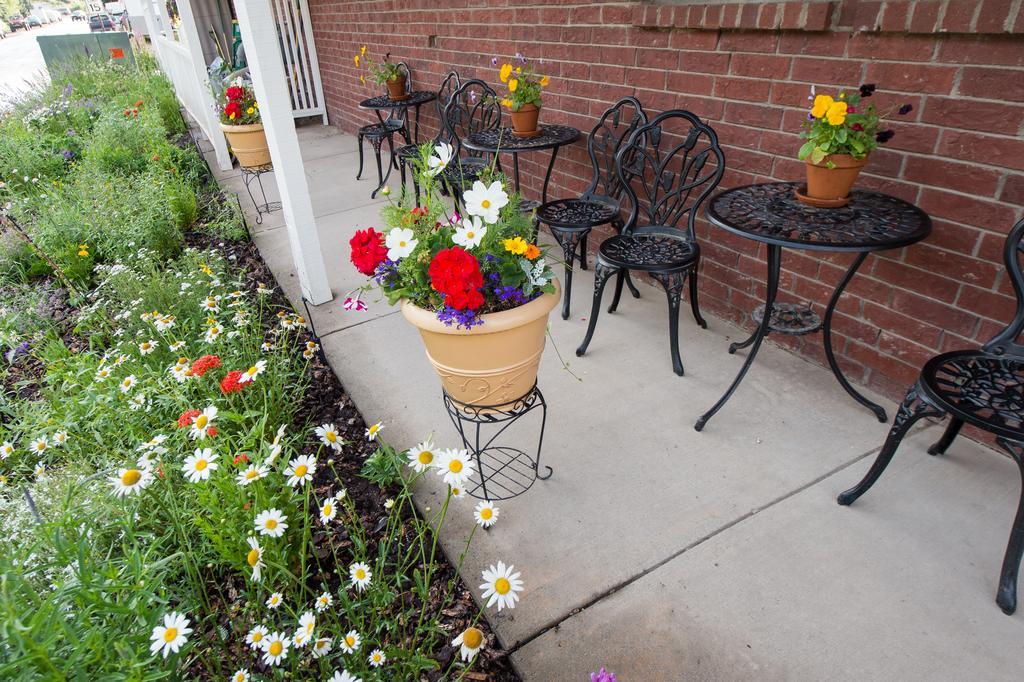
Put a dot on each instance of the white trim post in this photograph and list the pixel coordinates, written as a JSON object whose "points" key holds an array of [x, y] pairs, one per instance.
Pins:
{"points": [[263, 52]]}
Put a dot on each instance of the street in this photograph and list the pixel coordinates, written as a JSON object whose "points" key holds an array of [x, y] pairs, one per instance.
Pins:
{"points": [[21, 61]]}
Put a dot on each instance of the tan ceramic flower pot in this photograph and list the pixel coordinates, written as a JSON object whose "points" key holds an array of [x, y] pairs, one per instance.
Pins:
{"points": [[492, 364], [396, 88], [248, 143], [830, 187], [524, 121]]}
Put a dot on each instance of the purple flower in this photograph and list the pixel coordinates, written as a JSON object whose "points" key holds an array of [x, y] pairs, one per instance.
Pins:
{"points": [[867, 90], [70, 132], [906, 109], [68, 89], [67, 154], [461, 319], [494, 61], [386, 272], [884, 136], [520, 57], [602, 675]]}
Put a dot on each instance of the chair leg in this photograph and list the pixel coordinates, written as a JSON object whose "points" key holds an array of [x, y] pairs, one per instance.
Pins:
{"points": [[619, 280], [401, 173], [568, 240], [694, 306], [673, 284], [380, 170], [583, 252], [601, 274], [951, 432], [632, 287], [912, 409], [1007, 595], [359, 174]]}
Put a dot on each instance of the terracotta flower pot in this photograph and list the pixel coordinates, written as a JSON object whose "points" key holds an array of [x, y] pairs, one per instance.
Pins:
{"points": [[491, 364], [396, 88], [830, 187], [248, 143], [524, 121]]}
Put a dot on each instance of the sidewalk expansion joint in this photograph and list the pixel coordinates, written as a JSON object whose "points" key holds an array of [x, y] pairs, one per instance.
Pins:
{"points": [[357, 324]]}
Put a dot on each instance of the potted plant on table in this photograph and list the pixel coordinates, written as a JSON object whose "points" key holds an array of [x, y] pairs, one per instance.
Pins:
{"points": [[386, 72], [240, 121], [524, 95], [475, 286], [841, 133]]}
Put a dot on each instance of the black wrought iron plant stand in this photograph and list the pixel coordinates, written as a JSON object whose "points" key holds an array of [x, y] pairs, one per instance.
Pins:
{"points": [[501, 471], [255, 174]]}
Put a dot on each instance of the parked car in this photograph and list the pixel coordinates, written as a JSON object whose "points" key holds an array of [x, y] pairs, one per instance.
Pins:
{"points": [[78, 15], [17, 21], [51, 16], [33, 21], [101, 22]]}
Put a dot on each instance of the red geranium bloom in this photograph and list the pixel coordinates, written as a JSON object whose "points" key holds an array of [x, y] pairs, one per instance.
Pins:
{"points": [[456, 273], [204, 364], [233, 108], [368, 250], [235, 93], [187, 417], [229, 384]]}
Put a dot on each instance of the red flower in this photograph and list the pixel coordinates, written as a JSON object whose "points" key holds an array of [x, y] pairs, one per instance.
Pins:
{"points": [[241, 457], [235, 93], [138, 103], [368, 250], [204, 364], [229, 384], [233, 110], [187, 417], [456, 274], [211, 431], [856, 126]]}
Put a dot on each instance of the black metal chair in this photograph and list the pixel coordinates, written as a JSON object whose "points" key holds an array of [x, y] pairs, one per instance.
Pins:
{"points": [[451, 83], [384, 130], [472, 107], [674, 162], [571, 220], [984, 388]]}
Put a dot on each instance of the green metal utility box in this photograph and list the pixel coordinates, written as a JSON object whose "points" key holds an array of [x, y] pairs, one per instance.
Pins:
{"points": [[101, 46]]}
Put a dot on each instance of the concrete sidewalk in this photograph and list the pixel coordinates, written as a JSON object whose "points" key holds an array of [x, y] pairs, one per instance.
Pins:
{"points": [[667, 554]]}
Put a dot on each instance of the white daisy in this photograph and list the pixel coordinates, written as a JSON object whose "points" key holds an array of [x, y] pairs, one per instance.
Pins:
{"points": [[211, 304], [470, 233], [255, 558], [60, 438], [254, 638], [253, 372], [130, 481], [275, 600], [501, 585], [322, 647], [469, 643], [457, 492], [147, 347], [350, 642], [389, 503], [177, 345], [266, 346], [360, 574], [202, 423], [102, 373], [275, 648], [439, 160], [400, 243], [128, 383], [377, 658], [328, 435], [373, 430], [170, 636], [343, 676], [300, 470], [271, 522], [39, 445], [307, 623], [240, 675], [7, 449], [199, 465], [253, 473], [328, 510], [486, 514], [300, 638], [323, 602], [212, 332], [455, 466], [422, 456], [485, 201], [40, 469]]}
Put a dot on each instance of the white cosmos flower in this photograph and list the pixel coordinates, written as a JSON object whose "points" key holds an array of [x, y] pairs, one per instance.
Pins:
{"points": [[275, 648], [271, 522], [323, 602], [343, 676], [253, 473], [469, 643], [255, 558], [400, 242], [373, 430], [377, 658], [253, 372], [255, 637], [6, 450], [501, 586], [147, 347], [485, 201], [130, 481], [470, 233], [360, 575], [422, 456], [128, 383], [486, 514], [328, 510], [300, 470], [202, 423], [455, 466], [350, 642], [440, 159], [199, 465], [329, 436], [274, 600], [170, 636], [240, 675]]}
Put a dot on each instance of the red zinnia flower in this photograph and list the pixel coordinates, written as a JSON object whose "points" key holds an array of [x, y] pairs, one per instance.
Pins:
{"points": [[229, 384], [456, 273], [368, 250], [204, 364], [187, 417]]}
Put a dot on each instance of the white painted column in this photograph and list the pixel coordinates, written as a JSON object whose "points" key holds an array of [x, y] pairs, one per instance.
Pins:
{"points": [[266, 67]]}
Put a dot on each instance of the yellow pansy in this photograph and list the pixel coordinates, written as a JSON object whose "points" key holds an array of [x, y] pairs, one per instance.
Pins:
{"points": [[362, 80], [250, 110], [545, 82], [506, 71], [516, 245], [836, 113], [506, 102], [362, 50], [356, 60], [821, 105], [513, 85]]}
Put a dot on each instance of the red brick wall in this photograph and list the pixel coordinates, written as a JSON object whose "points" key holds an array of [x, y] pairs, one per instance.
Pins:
{"points": [[747, 68]]}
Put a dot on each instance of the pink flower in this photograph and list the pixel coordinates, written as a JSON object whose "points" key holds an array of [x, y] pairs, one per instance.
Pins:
{"points": [[354, 304]]}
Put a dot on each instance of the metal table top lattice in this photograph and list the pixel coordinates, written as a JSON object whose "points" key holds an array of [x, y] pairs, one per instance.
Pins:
{"points": [[503, 140], [771, 213], [416, 98]]}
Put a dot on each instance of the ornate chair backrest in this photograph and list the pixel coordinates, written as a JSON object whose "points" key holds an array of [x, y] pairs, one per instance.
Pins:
{"points": [[613, 129], [473, 107], [397, 115], [449, 85], [1005, 342], [667, 168]]}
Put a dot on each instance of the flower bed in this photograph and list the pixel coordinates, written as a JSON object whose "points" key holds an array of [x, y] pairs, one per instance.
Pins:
{"points": [[187, 491]]}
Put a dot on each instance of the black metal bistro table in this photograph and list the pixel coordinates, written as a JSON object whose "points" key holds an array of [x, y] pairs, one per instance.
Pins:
{"points": [[501, 140], [382, 103], [770, 213]]}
